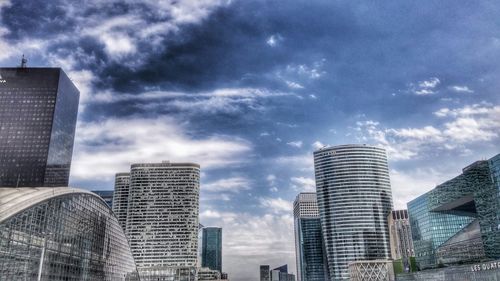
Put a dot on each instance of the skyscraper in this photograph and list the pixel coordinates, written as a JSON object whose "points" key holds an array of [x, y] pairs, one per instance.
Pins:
{"points": [[211, 253], [309, 245], [265, 273], [400, 237], [106, 195], [38, 110], [121, 197], [162, 218], [354, 200]]}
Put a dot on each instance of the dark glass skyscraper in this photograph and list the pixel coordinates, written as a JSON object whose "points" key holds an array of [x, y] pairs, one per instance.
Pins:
{"points": [[211, 252], [309, 244], [38, 111]]}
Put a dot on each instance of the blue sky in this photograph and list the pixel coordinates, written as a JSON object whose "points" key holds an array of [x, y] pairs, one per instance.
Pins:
{"points": [[249, 89]]}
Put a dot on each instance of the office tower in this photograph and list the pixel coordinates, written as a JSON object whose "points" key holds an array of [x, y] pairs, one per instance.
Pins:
{"points": [[106, 195], [281, 274], [162, 219], [61, 233], [121, 197], [457, 222], [309, 245], [354, 200], [265, 271], [400, 237], [38, 110], [211, 253]]}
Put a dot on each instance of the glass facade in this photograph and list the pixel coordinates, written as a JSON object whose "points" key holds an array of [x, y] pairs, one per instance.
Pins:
{"points": [[61, 234], [430, 230], [120, 197], [211, 253], [265, 273], [354, 199], [459, 219], [309, 245], [38, 109], [106, 195]]}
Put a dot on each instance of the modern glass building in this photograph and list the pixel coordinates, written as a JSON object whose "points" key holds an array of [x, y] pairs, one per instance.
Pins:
{"points": [[211, 251], [458, 221], [265, 273], [309, 245], [61, 234], [354, 199], [162, 219], [38, 109], [120, 197], [106, 195]]}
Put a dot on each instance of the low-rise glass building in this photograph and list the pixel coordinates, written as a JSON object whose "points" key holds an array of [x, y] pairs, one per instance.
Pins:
{"points": [[459, 221], [61, 234]]}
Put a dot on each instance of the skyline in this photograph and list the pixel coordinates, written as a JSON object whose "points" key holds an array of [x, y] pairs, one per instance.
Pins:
{"points": [[250, 89]]}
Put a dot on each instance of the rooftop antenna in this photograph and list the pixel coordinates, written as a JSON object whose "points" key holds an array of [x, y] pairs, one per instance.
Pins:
{"points": [[23, 62]]}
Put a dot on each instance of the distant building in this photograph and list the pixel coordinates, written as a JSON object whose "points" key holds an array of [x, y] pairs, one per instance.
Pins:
{"points": [[458, 221], [106, 195], [38, 110], [211, 254], [121, 197], [61, 233], [309, 245], [354, 199], [162, 219], [265, 274], [400, 237]]}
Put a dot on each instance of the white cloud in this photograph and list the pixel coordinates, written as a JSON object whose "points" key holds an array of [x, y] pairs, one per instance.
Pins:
{"points": [[312, 96], [234, 184], [461, 89], [274, 40], [304, 163], [461, 127], [297, 144], [426, 87], [276, 205], [293, 85], [110, 146], [317, 145], [429, 84], [303, 184]]}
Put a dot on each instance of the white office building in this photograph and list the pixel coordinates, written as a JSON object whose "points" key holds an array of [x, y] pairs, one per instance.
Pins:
{"points": [[162, 219], [354, 199]]}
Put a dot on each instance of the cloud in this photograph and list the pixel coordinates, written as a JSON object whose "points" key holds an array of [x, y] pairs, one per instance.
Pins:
{"points": [[303, 184], [234, 184], [294, 85], [297, 144], [313, 71], [103, 148], [317, 145], [460, 128], [426, 87], [461, 89], [276, 205], [274, 40]]}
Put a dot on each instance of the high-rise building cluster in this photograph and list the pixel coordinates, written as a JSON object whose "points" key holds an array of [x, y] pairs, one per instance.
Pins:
{"points": [[49, 231], [148, 228], [347, 230]]}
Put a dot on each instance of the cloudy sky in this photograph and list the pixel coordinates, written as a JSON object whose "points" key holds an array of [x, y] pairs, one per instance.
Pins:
{"points": [[249, 88]]}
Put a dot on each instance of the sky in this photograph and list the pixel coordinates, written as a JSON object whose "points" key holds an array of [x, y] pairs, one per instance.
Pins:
{"points": [[250, 88]]}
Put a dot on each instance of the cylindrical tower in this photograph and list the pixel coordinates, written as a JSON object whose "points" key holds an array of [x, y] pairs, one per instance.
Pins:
{"points": [[354, 199]]}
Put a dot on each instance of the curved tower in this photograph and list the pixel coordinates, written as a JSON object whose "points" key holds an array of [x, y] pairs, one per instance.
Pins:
{"points": [[120, 198], [354, 200], [61, 233]]}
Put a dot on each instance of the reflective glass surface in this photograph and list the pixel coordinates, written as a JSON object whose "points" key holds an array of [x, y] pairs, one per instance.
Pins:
{"points": [[211, 253], [38, 108], [67, 237]]}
